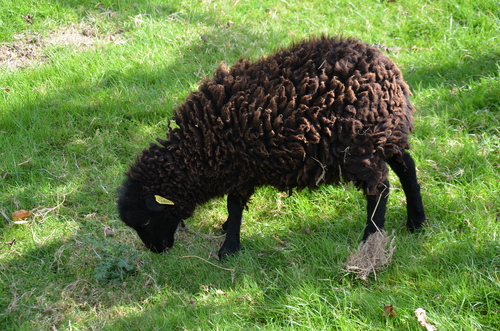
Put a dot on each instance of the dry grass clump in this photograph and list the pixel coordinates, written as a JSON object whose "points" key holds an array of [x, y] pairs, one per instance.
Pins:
{"points": [[372, 255]]}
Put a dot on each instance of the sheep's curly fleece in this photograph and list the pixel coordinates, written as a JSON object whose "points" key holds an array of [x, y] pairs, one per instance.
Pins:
{"points": [[323, 110]]}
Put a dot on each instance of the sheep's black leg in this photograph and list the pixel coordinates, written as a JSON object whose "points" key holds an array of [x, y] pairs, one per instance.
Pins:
{"points": [[404, 167], [235, 206], [376, 205]]}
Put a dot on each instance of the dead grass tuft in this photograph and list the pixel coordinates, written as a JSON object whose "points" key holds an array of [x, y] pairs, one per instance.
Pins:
{"points": [[372, 255]]}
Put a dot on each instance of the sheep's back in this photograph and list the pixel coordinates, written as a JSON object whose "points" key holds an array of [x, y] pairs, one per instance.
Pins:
{"points": [[324, 110]]}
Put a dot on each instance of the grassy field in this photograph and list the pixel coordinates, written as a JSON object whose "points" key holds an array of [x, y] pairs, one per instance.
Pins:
{"points": [[85, 85]]}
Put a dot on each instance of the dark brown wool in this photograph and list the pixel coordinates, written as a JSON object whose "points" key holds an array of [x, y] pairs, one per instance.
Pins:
{"points": [[325, 109]]}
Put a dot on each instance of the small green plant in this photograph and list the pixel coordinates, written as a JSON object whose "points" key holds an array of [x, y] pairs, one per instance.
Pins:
{"points": [[117, 261], [113, 270]]}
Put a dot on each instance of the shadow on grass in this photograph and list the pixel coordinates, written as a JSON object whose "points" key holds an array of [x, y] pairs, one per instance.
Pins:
{"points": [[467, 96], [453, 74]]}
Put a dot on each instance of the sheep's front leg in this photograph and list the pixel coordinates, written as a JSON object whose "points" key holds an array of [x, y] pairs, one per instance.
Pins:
{"points": [[232, 226], [376, 206]]}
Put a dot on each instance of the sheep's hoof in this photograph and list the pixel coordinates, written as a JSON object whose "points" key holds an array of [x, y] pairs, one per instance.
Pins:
{"points": [[414, 229], [413, 226], [225, 252]]}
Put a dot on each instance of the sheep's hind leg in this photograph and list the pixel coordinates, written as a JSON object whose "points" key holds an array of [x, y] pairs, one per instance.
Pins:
{"points": [[404, 167], [232, 226], [376, 206]]}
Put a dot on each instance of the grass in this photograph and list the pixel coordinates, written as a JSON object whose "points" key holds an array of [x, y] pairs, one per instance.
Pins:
{"points": [[76, 109]]}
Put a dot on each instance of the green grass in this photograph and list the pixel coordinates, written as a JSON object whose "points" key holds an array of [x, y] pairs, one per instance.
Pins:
{"points": [[72, 123]]}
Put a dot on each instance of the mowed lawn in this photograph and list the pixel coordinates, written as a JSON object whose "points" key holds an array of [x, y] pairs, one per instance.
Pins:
{"points": [[86, 85]]}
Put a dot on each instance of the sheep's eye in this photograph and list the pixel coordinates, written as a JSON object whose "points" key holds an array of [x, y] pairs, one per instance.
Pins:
{"points": [[147, 223]]}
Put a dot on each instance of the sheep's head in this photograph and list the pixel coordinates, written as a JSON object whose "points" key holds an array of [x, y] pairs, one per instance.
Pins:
{"points": [[152, 216]]}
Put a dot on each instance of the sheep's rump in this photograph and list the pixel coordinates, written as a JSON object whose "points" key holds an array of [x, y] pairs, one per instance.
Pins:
{"points": [[323, 110]]}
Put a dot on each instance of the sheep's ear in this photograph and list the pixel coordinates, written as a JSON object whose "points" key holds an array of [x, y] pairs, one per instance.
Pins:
{"points": [[157, 202]]}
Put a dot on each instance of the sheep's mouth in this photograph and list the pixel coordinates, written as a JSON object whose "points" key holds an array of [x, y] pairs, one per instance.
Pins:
{"points": [[156, 249], [161, 248]]}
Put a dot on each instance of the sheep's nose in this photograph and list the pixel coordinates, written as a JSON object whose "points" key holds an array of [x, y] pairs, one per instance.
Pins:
{"points": [[167, 244], [156, 249]]}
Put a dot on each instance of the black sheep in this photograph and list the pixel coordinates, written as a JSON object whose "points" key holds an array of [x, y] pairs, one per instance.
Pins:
{"points": [[324, 110]]}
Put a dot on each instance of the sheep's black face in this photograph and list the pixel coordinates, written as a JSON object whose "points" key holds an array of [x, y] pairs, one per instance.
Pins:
{"points": [[151, 216]]}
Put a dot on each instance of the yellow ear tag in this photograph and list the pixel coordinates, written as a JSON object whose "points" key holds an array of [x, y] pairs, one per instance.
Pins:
{"points": [[162, 201]]}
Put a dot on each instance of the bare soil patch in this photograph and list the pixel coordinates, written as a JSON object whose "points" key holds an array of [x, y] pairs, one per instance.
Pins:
{"points": [[28, 49]]}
